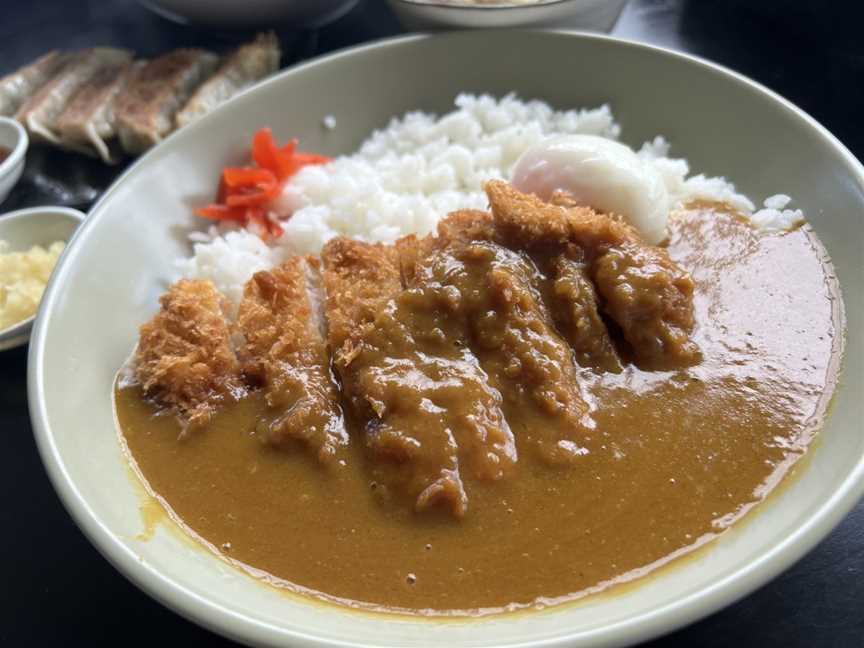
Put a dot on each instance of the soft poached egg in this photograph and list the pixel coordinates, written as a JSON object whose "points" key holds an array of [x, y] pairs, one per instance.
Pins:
{"points": [[599, 173]]}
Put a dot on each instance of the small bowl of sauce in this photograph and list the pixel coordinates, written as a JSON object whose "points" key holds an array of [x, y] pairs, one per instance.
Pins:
{"points": [[13, 146]]}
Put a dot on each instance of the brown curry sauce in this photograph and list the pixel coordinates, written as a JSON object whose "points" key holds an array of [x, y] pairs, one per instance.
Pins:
{"points": [[675, 456]]}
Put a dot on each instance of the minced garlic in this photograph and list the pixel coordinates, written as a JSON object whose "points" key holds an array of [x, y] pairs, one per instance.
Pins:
{"points": [[23, 277]]}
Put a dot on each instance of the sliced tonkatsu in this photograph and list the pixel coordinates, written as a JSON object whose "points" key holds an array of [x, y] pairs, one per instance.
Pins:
{"points": [[452, 353], [285, 351], [495, 291], [646, 294], [574, 305], [184, 357], [429, 413]]}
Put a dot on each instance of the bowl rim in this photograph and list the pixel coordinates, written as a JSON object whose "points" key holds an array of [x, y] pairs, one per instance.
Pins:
{"points": [[235, 625], [439, 4], [71, 212], [16, 155]]}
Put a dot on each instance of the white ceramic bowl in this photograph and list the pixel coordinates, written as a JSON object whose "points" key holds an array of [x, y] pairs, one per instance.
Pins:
{"points": [[252, 14], [13, 138], [589, 15], [22, 230], [122, 258]]}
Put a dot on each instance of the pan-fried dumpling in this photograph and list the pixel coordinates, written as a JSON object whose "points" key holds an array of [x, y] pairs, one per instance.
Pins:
{"points": [[88, 123], [145, 111], [241, 69], [40, 112], [19, 86]]}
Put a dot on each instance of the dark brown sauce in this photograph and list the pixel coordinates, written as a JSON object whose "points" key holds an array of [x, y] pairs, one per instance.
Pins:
{"points": [[676, 457], [4, 153]]}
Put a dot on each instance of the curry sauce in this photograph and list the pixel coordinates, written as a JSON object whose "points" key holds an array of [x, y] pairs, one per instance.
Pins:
{"points": [[671, 458]]}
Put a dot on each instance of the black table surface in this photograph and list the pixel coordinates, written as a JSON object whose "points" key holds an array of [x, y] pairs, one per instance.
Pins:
{"points": [[57, 590]]}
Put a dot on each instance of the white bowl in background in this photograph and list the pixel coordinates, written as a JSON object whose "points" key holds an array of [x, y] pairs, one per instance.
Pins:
{"points": [[14, 139], [589, 15], [252, 14], [123, 256]]}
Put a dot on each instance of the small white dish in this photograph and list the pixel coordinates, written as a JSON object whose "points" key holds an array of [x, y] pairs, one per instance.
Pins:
{"points": [[589, 15], [13, 138], [23, 229]]}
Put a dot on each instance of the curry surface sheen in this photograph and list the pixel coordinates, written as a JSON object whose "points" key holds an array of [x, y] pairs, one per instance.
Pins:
{"points": [[676, 457]]}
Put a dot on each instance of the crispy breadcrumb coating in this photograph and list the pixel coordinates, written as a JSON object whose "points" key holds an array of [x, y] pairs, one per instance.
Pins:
{"points": [[184, 357]]}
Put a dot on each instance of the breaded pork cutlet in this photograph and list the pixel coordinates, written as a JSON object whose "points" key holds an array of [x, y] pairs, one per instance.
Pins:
{"points": [[427, 408], [284, 350], [496, 292], [639, 287], [359, 280], [570, 297], [184, 358], [458, 227], [573, 303], [525, 222], [448, 347]]}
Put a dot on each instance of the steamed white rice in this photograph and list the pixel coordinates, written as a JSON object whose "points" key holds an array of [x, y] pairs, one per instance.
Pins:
{"points": [[407, 176]]}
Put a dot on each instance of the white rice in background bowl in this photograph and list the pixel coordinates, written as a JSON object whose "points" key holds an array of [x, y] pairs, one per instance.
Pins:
{"points": [[407, 176]]}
